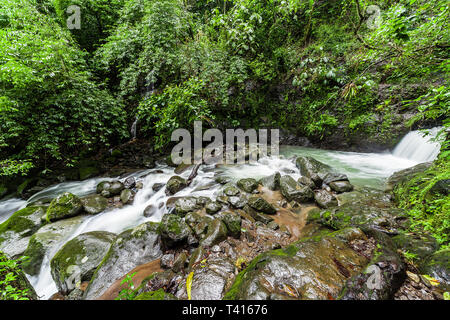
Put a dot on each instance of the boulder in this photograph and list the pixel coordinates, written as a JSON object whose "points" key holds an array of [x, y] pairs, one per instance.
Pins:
{"points": [[217, 232], [405, 175], [334, 176], [213, 207], [64, 206], [238, 202], [230, 190], [198, 223], [126, 196], [312, 268], [110, 188], [232, 222], [292, 191], [313, 169], [17, 230], [325, 199], [421, 245], [185, 205], [341, 186], [45, 239], [78, 259], [175, 184], [130, 249], [94, 204], [174, 230], [260, 204], [306, 182], [248, 185]]}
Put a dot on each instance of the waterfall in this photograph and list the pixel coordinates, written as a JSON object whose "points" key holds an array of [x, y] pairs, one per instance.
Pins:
{"points": [[418, 147], [134, 129]]}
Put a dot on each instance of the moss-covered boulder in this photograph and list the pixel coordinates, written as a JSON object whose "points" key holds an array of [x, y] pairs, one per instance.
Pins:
{"points": [[271, 182], [64, 206], [198, 223], [110, 188], [312, 268], [212, 207], [185, 205], [341, 186], [260, 204], [313, 169], [94, 204], [174, 230], [438, 266], [217, 232], [248, 185], [78, 259], [175, 184], [45, 239], [420, 245], [126, 196], [230, 190], [130, 249], [159, 294], [306, 182], [292, 191], [17, 230], [233, 223], [404, 175]]}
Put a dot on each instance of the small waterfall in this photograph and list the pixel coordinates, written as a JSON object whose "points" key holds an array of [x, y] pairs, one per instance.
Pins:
{"points": [[418, 147], [134, 128]]}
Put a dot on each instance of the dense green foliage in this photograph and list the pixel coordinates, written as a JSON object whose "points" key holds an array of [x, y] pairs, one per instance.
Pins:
{"points": [[11, 287], [317, 68]]}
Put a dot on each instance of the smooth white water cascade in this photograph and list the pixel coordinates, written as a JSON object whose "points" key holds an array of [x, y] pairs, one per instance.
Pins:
{"points": [[417, 146], [363, 169]]}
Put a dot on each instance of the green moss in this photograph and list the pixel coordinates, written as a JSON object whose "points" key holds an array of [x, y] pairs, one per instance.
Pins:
{"points": [[64, 206], [88, 172], [156, 295], [20, 222]]}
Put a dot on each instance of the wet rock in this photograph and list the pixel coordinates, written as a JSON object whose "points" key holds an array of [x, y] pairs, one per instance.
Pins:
{"points": [[298, 271], [421, 245], [44, 239], [271, 182], [130, 249], [180, 262], [17, 230], [325, 199], [230, 190], [248, 185], [149, 211], [292, 191], [159, 294], [438, 266], [405, 175], [126, 196], [217, 232], [222, 179], [341, 186], [182, 168], [333, 177], [197, 223], [313, 169], [129, 183], [174, 231], [167, 261], [212, 207], [185, 205], [64, 206], [110, 188], [381, 278], [78, 259], [260, 204], [257, 216], [94, 204], [158, 186], [175, 184], [306, 182], [238, 202], [232, 222]]}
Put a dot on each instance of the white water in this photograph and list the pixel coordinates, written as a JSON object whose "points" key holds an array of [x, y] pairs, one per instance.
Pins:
{"points": [[419, 147], [363, 169]]}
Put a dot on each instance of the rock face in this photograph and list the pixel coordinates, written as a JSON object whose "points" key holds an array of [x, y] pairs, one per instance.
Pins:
{"points": [[130, 249], [438, 266], [292, 191], [64, 206], [16, 231], [313, 169], [292, 272], [175, 184], [94, 204], [44, 239], [78, 259], [259, 204], [404, 175]]}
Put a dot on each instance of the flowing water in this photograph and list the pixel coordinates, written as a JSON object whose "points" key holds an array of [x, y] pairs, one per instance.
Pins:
{"points": [[363, 169]]}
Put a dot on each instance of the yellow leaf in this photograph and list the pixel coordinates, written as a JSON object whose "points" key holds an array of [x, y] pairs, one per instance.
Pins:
{"points": [[433, 281], [189, 284], [288, 289]]}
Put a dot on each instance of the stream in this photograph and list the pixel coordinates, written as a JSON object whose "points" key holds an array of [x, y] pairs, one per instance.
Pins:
{"points": [[363, 169]]}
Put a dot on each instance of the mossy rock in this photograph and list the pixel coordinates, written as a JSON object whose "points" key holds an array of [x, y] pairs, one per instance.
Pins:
{"points": [[272, 182], [156, 295], [185, 205], [94, 204], [313, 169], [175, 184], [16, 231], [248, 185], [438, 266], [230, 190], [174, 230], [233, 223], [44, 239], [88, 172], [292, 191], [261, 205], [64, 206], [217, 232], [421, 245], [81, 255], [130, 249]]}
